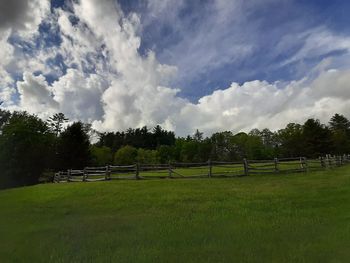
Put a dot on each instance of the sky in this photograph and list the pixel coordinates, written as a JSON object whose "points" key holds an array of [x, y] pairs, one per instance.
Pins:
{"points": [[212, 65]]}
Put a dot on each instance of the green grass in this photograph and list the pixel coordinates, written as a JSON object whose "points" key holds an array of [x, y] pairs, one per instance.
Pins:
{"points": [[270, 218]]}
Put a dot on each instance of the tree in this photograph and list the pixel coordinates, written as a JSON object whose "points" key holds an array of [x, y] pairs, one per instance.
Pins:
{"points": [[4, 118], [147, 156], [101, 155], [166, 153], [340, 142], [340, 127], [222, 147], [26, 146], [290, 140], [189, 151], [198, 136], [316, 138], [56, 123], [162, 137], [246, 146], [339, 122], [74, 147], [125, 155]]}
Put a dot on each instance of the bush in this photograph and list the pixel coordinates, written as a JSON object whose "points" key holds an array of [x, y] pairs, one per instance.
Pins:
{"points": [[125, 155], [101, 155]]}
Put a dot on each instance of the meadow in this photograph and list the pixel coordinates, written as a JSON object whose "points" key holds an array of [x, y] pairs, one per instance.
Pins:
{"points": [[303, 217]]}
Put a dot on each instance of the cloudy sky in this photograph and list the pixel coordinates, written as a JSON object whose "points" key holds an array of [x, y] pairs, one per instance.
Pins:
{"points": [[211, 65]]}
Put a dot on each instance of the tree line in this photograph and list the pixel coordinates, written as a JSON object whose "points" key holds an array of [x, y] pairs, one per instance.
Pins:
{"points": [[32, 148]]}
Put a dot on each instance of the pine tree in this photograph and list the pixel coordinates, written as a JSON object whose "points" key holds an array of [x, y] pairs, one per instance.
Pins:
{"points": [[56, 123]]}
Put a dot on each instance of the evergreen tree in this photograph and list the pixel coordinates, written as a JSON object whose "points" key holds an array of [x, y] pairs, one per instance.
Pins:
{"points": [[56, 123], [340, 127], [339, 122], [74, 147], [198, 136], [316, 138]]}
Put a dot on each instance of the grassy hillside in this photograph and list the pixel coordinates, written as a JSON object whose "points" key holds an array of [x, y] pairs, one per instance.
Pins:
{"points": [[279, 218]]}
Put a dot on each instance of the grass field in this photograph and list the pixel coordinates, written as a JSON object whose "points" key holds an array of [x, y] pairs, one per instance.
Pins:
{"points": [[271, 218]]}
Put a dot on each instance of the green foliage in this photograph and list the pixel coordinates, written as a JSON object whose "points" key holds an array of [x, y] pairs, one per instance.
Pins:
{"points": [[26, 146], [56, 122], [340, 142], [340, 127], [28, 141], [101, 156], [291, 142], [166, 153], [4, 118], [74, 147], [125, 155], [189, 151], [147, 156], [316, 138], [222, 147], [198, 136], [138, 138], [339, 122]]}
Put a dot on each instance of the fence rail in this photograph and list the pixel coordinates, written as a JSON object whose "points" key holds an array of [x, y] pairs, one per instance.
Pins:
{"points": [[201, 170]]}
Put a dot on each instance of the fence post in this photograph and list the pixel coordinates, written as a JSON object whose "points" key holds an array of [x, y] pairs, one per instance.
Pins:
{"points": [[323, 165], [84, 175], [137, 171], [210, 167], [108, 173], [68, 175], [276, 165], [170, 171], [304, 164], [246, 168]]}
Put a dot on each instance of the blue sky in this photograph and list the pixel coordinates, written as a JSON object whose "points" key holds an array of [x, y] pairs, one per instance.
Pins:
{"points": [[182, 64], [262, 27]]}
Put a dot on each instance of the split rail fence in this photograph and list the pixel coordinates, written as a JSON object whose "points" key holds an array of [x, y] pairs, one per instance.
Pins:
{"points": [[201, 170]]}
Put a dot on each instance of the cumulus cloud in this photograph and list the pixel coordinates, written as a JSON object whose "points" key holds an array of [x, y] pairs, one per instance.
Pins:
{"points": [[259, 104], [79, 96], [6, 53], [35, 94], [20, 18], [22, 15], [104, 80]]}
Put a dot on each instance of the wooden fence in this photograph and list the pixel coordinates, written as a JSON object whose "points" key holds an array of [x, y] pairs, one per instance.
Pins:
{"points": [[201, 170]]}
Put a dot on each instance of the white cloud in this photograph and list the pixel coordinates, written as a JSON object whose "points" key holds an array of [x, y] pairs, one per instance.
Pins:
{"points": [[6, 82], [19, 18], [258, 104], [79, 96], [111, 85], [23, 16], [317, 42], [35, 95]]}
